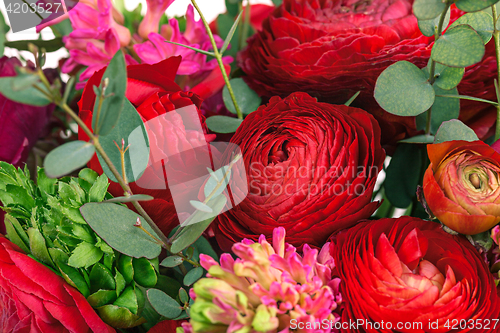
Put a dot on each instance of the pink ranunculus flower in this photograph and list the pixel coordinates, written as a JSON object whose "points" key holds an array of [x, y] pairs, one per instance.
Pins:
{"points": [[269, 288]]}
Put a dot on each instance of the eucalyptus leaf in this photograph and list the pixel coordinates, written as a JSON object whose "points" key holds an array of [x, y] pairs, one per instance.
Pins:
{"points": [[459, 46], [474, 5], [428, 9], [115, 225], [49, 45], [403, 89], [192, 276], [429, 27], [247, 99], [223, 124], [164, 304], [130, 128], [107, 110], [68, 158], [481, 21], [29, 95], [172, 261], [454, 130]]}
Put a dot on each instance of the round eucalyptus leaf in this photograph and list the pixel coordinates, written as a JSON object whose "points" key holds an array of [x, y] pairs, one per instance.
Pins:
{"points": [[454, 130], [404, 90], [428, 9]]}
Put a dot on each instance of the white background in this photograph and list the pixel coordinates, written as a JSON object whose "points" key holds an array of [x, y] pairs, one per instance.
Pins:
{"points": [[210, 8]]}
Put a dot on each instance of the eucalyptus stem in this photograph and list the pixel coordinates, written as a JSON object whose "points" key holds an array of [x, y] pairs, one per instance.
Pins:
{"points": [[432, 71], [218, 56], [496, 37]]}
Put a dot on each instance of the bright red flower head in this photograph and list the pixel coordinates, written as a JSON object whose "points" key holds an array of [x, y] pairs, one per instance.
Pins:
{"points": [[310, 167], [333, 49], [408, 271], [35, 299], [152, 90]]}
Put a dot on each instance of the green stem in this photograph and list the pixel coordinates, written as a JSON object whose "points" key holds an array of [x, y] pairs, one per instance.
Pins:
{"points": [[246, 25], [496, 37], [432, 70], [218, 56]]}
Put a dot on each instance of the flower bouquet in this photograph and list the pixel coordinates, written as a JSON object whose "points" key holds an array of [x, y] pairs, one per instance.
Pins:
{"points": [[303, 166]]}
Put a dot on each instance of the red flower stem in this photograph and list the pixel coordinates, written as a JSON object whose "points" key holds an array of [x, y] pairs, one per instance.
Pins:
{"points": [[432, 70], [496, 37], [218, 56]]}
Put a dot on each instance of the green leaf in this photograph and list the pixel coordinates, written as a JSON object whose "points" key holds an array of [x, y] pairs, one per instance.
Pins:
{"points": [[474, 5], [101, 278], [200, 206], [130, 127], [73, 278], [424, 138], [125, 267], [172, 261], [193, 275], [89, 175], [193, 231], [232, 7], [17, 195], [164, 304], [49, 45], [16, 233], [203, 246], [460, 46], [191, 48], [115, 225], [45, 184], [183, 296], [482, 22], [247, 99], [428, 9], [99, 189], [3, 32], [147, 276], [454, 130], [107, 111], [85, 255], [277, 2], [101, 297], [444, 109], [212, 182], [128, 299], [58, 255], [403, 89], [38, 247], [349, 102], [81, 232], [223, 124], [231, 33], [68, 158], [402, 175], [448, 77], [120, 282], [25, 95], [429, 27], [135, 197], [119, 317]]}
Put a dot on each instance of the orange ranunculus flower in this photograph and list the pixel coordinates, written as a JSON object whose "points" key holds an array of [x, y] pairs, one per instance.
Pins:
{"points": [[461, 185]]}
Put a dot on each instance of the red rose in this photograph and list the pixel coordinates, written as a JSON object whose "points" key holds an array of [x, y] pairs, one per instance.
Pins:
{"points": [[333, 49], [311, 168], [152, 90], [408, 271], [461, 185], [20, 125], [35, 299]]}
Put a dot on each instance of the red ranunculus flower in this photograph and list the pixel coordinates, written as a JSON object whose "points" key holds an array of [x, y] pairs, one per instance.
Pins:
{"points": [[462, 185], [412, 276], [35, 299], [152, 90], [333, 49], [20, 125], [311, 168]]}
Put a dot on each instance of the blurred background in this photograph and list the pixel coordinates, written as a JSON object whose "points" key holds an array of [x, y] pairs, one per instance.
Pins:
{"points": [[211, 9]]}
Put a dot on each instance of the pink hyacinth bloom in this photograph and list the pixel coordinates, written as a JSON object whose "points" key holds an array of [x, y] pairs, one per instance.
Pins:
{"points": [[151, 21], [97, 35], [157, 49], [268, 289]]}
